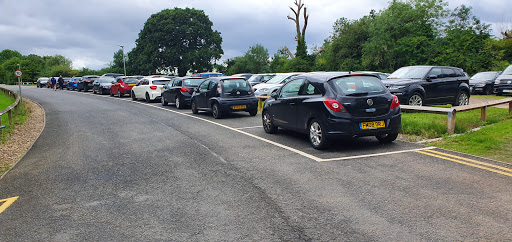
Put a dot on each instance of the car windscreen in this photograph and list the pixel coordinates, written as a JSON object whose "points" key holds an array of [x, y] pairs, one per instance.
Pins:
{"points": [[484, 75], [192, 82], [508, 71], [277, 79], [161, 82], [236, 87], [410, 73], [130, 80], [358, 85]]}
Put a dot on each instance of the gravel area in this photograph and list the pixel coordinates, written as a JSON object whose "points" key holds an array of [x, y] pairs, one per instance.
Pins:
{"points": [[24, 136]]}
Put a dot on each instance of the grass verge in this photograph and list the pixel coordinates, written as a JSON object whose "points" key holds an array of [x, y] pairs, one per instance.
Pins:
{"points": [[19, 119]]}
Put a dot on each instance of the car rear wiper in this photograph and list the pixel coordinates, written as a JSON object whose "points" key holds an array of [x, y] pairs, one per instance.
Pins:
{"points": [[357, 94]]}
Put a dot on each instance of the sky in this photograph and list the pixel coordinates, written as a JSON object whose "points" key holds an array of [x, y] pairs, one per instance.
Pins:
{"points": [[89, 32]]}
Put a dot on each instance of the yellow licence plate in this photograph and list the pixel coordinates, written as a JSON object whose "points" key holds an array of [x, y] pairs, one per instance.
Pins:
{"points": [[131, 84], [372, 125], [239, 107]]}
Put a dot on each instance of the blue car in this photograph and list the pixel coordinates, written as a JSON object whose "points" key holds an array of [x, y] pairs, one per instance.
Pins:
{"points": [[73, 83]]}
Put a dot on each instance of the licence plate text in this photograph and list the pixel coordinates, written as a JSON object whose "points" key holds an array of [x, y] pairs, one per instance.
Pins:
{"points": [[239, 107], [372, 125]]}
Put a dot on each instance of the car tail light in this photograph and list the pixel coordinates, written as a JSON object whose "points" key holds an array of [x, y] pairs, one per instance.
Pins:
{"points": [[74, 82], [219, 88], [152, 87], [335, 105], [394, 103], [184, 89]]}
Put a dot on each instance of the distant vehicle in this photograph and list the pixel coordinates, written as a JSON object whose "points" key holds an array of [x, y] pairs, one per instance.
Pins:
{"points": [[149, 89], [65, 83], [244, 75], [429, 85], [123, 85], [260, 78], [380, 75], [86, 83], [42, 81], [329, 105], [483, 82], [113, 75], [503, 83], [102, 85], [73, 83], [224, 94], [179, 91], [207, 74], [265, 89]]}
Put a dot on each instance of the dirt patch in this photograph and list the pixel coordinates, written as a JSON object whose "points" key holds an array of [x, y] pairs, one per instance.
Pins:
{"points": [[23, 137], [480, 100]]}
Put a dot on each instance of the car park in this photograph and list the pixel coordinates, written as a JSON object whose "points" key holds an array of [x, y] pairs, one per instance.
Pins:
{"points": [[149, 89], [102, 85], [73, 83], [86, 83], [265, 89], [503, 83], [259, 78], [179, 91], [329, 105], [123, 85], [42, 82], [483, 82], [224, 94], [429, 85]]}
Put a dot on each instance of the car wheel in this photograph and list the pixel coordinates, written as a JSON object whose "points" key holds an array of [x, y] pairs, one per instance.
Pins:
{"points": [[462, 99], [216, 111], [178, 103], [111, 94], [120, 94], [488, 90], [268, 125], [317, 136], [415, 99], [253, 112], [498, 93], [133, 96], [147, 98], [164, 103], [194, 107], [93, 91], [79, 90], [387, 138]]}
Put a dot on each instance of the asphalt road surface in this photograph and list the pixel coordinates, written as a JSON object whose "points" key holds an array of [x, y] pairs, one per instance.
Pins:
{"points": [[110, 169]]}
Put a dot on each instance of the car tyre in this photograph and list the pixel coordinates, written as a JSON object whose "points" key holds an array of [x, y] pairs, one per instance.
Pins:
{"points": [[120, 94], [253, 112], [415, 99], [164, 103], [268, 124], [317, 136], [134, 98], [216, 111], [147, 98], [178, 103], [193, 106], [111, 94], [488, 90], [387, 138], [462, 99], [93, 91]]}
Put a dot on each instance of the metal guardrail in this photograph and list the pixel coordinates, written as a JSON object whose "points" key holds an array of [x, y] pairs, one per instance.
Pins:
{"points": [[9, 109]]}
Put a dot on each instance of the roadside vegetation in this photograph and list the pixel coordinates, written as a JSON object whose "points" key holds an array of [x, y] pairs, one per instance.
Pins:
{"points": [[19, 119]]}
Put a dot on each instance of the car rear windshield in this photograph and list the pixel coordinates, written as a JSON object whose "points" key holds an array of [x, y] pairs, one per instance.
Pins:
{"points": [[130, 80], [277, 79], [484, 75], [236, 87], [105, 80], [161, 82], [358, 85], [417, 72], [508, 71], [192, 82]]}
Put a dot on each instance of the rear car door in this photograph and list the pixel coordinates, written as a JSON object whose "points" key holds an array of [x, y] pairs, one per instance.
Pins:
{"points": [[303, 107], [450, 85], [200, 98], [432, 86], [284, 108]]}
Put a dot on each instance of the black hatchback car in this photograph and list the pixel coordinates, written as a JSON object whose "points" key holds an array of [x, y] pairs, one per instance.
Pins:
{"points": [[429, 85], [86, 83], [224, 94], [179, 91], [329, 105]]}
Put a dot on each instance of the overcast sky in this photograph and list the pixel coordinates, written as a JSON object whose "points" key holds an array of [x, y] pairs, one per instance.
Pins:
{"points": [[89, 31]]}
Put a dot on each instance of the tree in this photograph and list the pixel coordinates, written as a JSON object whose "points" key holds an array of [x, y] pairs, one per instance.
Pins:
{"points": [[255, 60], [301, 33], [8, 54], [117, 65], [176, 40]]}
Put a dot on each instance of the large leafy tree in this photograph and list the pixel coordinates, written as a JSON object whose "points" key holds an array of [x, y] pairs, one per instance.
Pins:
{"points": [[176, 40], [255, 60]]}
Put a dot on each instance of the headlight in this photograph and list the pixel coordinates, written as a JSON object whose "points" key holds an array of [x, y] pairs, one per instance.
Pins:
{"points": [[497, 82], [263, 90], [396, 87]]}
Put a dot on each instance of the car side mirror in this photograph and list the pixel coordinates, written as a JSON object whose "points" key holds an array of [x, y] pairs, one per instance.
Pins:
{"points": [[431, 77], [274, 95]]}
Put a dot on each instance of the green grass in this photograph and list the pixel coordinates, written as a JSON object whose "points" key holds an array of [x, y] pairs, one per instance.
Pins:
{"points": [[492, 141], [430, 126], [18, 119], [5, 101], [489, 97]]}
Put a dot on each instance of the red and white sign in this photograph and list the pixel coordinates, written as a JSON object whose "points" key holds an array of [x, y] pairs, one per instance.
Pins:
{"points": [[18, 73]]}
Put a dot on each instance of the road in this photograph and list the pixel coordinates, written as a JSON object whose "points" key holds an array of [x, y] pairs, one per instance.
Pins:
{"points": [[108, 168]]}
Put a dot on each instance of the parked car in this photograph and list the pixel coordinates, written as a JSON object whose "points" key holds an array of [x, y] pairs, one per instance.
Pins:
{"points": [[207, 74], [86, 82], [179, 91], [149, 89], [503, 83], [244, 75], [113, 75], [265, 89], [102, 85], [73, 83], [65, 83], [380, 75], [428, 85], [42, 81], [123, 85], [329, 105], [483, 82], [224, 94], [259, 78]]}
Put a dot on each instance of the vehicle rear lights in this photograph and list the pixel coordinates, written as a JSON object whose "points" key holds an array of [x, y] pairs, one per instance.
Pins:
{"points": [[184, 89], [153, 87], [394, 103], [219, 88], [335, 105]]}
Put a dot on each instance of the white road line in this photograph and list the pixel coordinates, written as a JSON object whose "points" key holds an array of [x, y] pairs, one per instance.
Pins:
{"points": [[317, 159], [251, 127]]}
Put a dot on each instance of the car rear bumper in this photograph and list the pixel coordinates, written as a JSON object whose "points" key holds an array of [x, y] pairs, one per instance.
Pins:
{"points": [[352, 128], [504, 88], [234, 105]]}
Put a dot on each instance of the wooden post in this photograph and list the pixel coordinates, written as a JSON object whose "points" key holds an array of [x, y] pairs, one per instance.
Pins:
{"points": [[510, 108], [9, 114], [483, 114], [451, 121]]}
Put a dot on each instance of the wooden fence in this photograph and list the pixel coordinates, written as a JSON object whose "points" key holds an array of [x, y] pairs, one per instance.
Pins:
{"points": [[9, 110]]}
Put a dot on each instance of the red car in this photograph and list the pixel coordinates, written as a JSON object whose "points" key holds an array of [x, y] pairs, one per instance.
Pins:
{"points": [[123, 85]]}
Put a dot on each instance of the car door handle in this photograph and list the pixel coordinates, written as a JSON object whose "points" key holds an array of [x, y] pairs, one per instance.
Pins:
{"points": [[292, 104]]}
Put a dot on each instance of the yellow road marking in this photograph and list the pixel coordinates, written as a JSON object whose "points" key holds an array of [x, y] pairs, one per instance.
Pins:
{"points": [[466, 163], [6, 203], [472, 161]]}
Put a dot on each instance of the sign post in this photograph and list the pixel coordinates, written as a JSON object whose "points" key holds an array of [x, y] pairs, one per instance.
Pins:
{"points": [[18, 73]]}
